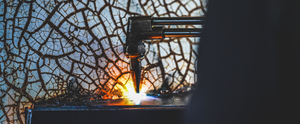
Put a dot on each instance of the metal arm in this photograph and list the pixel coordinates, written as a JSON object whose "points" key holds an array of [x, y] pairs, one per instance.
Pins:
{"points": [[177, 20], [141, 28]]}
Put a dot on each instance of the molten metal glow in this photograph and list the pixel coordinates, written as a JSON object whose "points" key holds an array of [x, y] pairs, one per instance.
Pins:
{"points": [[137, 97], [130, 93]]}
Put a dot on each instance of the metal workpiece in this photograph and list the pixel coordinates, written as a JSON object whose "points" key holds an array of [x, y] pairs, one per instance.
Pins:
{"points": [[142, 28], [107, 114]]}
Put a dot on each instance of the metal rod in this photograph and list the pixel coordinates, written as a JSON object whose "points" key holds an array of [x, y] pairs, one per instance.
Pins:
{"points": [[196, 32], [178, 21]]}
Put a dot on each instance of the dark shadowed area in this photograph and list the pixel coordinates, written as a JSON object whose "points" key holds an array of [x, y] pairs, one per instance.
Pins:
{"points": [[248, 68]]}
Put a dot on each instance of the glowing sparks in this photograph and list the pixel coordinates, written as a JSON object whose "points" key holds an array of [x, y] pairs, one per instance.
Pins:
{"points": [[130, 94], [137, 98]]}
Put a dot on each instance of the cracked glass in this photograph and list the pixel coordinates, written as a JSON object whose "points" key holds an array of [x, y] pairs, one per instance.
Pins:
{"points": [[46, 43]]}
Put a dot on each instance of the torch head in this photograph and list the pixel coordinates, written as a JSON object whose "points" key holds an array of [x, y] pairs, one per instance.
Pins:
{"points": [[134, 46], [139, 28]]}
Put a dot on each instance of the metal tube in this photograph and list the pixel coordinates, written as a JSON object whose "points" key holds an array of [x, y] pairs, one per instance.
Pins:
{"points": [[195, 32], [178, 21]]}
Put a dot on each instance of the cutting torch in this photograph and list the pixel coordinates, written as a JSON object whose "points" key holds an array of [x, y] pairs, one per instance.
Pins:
{"points": [[147, 27]]}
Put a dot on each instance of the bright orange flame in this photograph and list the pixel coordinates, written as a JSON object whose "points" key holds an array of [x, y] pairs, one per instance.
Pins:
{"points": [[129, 87], [130, 93]]}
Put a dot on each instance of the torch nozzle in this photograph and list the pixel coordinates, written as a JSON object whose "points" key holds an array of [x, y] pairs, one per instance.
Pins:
{"points": [[135, 68]]}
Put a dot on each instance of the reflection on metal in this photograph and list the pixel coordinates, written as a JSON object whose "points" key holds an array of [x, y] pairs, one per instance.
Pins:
{"points": [[175, 100], [178, 21], [196, 32], [28, 115]]}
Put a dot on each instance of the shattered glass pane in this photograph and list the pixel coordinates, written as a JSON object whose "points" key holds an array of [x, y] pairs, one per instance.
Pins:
{"points": [[44, 44]]}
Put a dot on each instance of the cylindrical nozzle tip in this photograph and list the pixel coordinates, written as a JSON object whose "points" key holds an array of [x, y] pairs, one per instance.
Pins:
{"points": [[136, 72]]}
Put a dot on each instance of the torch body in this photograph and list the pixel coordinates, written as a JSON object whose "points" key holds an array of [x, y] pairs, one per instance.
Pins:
{"points": [[141, 28]]}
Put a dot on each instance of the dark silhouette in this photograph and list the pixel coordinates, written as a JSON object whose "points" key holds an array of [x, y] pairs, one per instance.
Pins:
{"points": [[248, 68]]}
